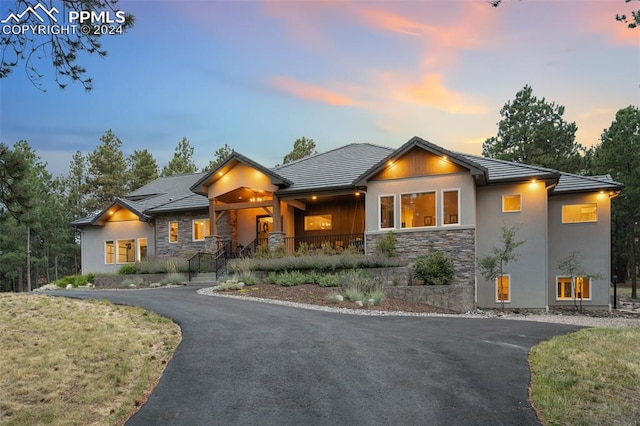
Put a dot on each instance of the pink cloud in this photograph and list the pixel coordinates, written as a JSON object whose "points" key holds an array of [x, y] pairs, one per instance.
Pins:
{"points": [[310, 92], [432, 91], [384, 19]]}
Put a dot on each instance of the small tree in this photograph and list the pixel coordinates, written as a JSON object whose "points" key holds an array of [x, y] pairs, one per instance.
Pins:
{"points": [[492, 266], [572, 267]]}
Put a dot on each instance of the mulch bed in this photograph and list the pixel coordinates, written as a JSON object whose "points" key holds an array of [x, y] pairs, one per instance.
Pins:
{"points": [[315, 295]]}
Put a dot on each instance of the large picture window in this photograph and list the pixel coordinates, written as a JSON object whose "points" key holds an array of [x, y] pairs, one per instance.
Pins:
{"points": [[201, 229], [418, 209], [173, 232], [387, 211], [319, 222], [126, 251], [511, 203], [450, 207], [567, 291], [576, 213], [503, 288]]}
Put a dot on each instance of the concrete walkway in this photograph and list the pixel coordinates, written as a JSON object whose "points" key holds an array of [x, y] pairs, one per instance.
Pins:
{"points": [[247, 363]]}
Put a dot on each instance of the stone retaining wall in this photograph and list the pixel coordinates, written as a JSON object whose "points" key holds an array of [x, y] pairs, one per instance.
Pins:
{"points": [[120, 281], [455, 298]]}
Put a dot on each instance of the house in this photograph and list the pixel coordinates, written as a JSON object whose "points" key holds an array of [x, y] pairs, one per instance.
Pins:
{"points": [[430, 197]]}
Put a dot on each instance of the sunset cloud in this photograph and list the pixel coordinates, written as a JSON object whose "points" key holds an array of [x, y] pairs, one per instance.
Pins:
{"points": [[432, 91], [384, 19], [310, 92]]}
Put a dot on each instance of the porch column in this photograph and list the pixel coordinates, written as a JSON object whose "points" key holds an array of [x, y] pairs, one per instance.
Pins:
{"points": [[213, 219], [277, 217], [276, 240]]}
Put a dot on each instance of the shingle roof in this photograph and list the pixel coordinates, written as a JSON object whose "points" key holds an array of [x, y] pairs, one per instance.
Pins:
{"points": [[166, 185], [331, 170], [569, 183], [335, 170], [506, 171]]}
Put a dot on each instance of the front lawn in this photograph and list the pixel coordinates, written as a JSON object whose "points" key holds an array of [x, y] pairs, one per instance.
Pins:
{"points": [[591, 377], [76, 362]]}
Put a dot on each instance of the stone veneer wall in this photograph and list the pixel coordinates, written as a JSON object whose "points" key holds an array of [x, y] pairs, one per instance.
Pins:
{"points": [[457, 243], [185, 245]]}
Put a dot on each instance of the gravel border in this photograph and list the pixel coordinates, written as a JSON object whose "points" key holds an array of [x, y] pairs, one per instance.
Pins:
{"points": [[579, 320]]}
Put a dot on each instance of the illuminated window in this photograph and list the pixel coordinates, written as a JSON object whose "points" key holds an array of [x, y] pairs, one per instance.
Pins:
{"points": [[503, 288], [576, 213], [387, 211], [320, 222], [109, 253], [567, 291], [201, 229], [450, 202], [419, 209], [511, 203], [173, 232], [142, 248], [126, 251]]}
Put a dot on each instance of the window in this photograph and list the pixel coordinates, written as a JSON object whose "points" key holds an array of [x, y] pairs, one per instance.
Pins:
{"points": [[565, 291], [503, 288], [580, 213], [173, 232], [142, 248], [450, 202], [109, 253], [126, 251], [418, 209], [201, 229], [387, 217], [320, 222], [511, 203]]}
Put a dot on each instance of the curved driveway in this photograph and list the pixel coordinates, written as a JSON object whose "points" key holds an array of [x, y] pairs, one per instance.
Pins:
{"points": [[248, 363]]}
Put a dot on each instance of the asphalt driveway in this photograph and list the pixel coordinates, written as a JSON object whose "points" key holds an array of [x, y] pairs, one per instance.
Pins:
{"points": [[248, 363]]}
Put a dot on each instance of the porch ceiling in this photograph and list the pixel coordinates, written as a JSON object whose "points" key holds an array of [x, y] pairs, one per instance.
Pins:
{"points": [[243, 195]]}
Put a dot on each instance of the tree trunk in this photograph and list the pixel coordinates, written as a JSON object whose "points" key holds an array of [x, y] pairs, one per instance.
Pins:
{"points": [[28, 258], [632, 261]]}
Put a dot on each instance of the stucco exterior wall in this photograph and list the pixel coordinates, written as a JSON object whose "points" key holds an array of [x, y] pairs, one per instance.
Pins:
{"points": [[529, 271], [93, 240], [591, 239], [462, 181]]}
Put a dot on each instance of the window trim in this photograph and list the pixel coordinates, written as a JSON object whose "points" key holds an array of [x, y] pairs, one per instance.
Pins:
{"points": [[508, 300], [442, 216], [204, 230], [177, 231], [511, 195], [578, 221], [571, 298], [395, 209], [435, 208], [139, 249]]}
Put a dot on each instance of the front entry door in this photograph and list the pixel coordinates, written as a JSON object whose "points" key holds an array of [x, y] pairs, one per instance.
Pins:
{"points": [[264, 226]]}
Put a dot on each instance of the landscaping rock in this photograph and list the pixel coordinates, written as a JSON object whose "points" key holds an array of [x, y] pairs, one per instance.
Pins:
{"points": [[359, 303]]}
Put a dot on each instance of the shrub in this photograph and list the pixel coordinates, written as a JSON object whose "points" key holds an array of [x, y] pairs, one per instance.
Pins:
{"points": [[353, 294], [387, 245], [359, 280], [175, 278], [330, 280], [132, 281], [304, 249], [290, 278], [249, 280], [318, 262], [436, 268], [127, 269], [326, 248], [378, 296]]}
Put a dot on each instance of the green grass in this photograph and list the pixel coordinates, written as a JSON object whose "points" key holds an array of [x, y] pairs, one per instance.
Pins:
{"points": [[74, 362], [591, 377]]}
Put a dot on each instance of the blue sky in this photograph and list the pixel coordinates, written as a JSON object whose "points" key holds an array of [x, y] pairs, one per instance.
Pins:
{"points": [[256, 75]]}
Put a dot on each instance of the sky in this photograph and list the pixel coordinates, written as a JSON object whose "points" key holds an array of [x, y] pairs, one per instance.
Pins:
{"points": [[257, 75]]}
